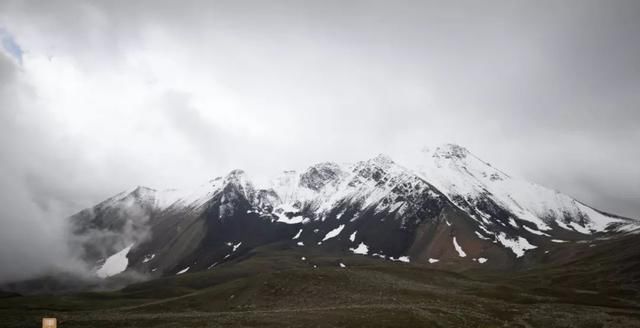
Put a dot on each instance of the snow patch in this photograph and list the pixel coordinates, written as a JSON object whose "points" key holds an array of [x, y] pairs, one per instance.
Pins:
{"points": [[148, 258], [333, 232], [535, 232], [297, 235], [353, 236], [432, 260], [182, 271], [518, 246], [361, 249], [290, 220], [115, 264], [482, 260], [579, 228], [481, 236], [404, 259], [461, 253], [485, 230], [235, 247]]}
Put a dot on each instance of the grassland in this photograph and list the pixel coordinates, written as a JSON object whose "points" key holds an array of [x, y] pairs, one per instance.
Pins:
{"points": [[278, 289]]}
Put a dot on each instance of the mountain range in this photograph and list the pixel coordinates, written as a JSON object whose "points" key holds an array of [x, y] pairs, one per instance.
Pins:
{"points": [[452, 210]]}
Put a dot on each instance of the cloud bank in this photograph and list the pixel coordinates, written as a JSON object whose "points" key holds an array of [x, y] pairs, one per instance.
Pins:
{"points": [[97, 97]]}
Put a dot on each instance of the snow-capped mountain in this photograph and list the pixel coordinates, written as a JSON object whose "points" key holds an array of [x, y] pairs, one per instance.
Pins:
{"points": [[450, 209], [486, 193]]}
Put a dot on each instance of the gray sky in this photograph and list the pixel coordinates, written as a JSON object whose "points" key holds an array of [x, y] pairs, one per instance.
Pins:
{"points": [[100, 96]]}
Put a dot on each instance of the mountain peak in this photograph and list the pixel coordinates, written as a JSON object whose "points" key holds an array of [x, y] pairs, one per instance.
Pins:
{"points": [[472, 184], [142, 192], [321, 174], [142, 189], [238, 178], [451, 151], [383, 160], [235, 176]]}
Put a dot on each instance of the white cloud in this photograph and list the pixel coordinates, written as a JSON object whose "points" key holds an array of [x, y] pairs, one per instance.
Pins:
{"points": [[115, 94]]}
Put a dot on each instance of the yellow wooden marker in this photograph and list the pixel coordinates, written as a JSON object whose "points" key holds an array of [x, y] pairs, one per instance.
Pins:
{"points": [[49, 323]]}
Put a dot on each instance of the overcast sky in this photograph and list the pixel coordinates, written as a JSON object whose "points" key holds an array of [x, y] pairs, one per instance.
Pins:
{"points": [[100, 96]]}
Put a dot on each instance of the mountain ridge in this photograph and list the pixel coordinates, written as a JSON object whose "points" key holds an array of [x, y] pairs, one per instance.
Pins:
{"points": [[452, 205]]}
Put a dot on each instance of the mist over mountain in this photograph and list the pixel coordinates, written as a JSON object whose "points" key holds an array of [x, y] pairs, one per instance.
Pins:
{"points": [[168, 96], [450, 209]]}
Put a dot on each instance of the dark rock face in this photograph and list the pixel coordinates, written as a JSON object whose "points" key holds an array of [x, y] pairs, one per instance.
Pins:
{"points": [[266, 200], [318, 176]]}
